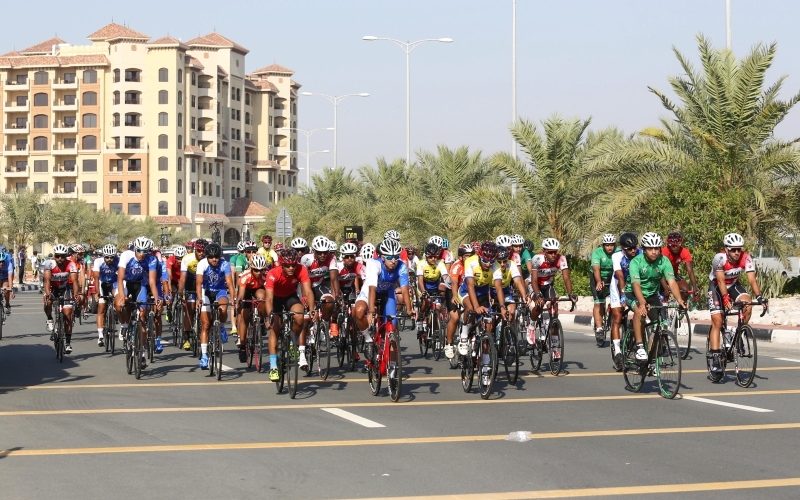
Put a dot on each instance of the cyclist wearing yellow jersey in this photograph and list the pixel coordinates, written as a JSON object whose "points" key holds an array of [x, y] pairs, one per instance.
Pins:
{"points": [[187, 282], [432, 279], [506, 274], [266, 250]]}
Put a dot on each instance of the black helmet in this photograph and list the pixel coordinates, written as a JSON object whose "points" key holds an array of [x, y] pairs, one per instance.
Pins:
{"points": [[432, 250], [528, 245], [628, 240], [213, 250], [502, 253]]}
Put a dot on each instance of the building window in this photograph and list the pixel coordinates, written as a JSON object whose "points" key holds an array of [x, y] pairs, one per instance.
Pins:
{"points": [[40, 78], [132, 97], [163, 208], [180, 208], [89, 187], [89, 76], [40, 121], [193, 123], [194, 101], [247, 98], [132, 75], [40, 99], [132, 119], [115, 208], [194, 78], [90, 166], [89, 142], [163, 119], [247, 118], [163, 186], [22, 100], [69, 187], [39, 143], [89, 98], [219, 192], [180, 119], [180, 76], [40, 187], [180, 186], [21, 165], [163, 75], [115, 187], [134, 187], [194, 188], [163, 141], [68, 78], [21, 186], [180, 164], [134, 165], [134, 209], [163, 163], [89, 120], [115, 165], [194, 165], [180, 97], [70, 143], [40, 166], [163, 97]]}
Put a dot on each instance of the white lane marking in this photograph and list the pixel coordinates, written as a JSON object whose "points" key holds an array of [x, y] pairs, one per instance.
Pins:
{"points": [[353, 418], [226, 368], [730, 405], [789, 359]]}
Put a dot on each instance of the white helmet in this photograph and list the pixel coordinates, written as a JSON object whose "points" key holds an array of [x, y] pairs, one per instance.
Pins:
{"points": [[109, 250], [391, 235], [436, 240], [60, 250], [733, 240], [550, 244], [320, 244], [332, 246], [517, 239], [240, 247], [503, 240], [258, 261], [609, 239], [298, 243], [142, 243], [179, 251], [368, 251], [389, 247], [651, 240], [348, 249]]}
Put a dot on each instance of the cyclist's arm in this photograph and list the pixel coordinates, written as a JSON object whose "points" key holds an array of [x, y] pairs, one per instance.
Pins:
{"points": [[406, 297], [676, 292], [501, 298], [229, 284], [420, 283], [268, 298], [473, 297], [519, 284], [598, 281], [97, 287], [198, 289], [692, 277], [535, 282], [620, 281], [308, 293], [76, 291], [751, 277], [151, 280], [334, 274], [637, 292], [182, 282], [46, 280], [567, 281]]}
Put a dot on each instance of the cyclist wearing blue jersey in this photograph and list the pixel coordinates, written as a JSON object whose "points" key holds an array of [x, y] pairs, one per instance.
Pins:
{"points": [[6, 277], [383, 276], [620, 261], [105, 274], [214, 283]]}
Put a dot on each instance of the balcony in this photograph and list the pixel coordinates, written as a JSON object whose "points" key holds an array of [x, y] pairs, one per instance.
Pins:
{"points": [[14, 151], [64, 106], [60, 192], [13, 86], [13, 107], [65, 128], [65, 150], [14, 128], [207, 135], [61, 170], [16, 172], [62, 84]]}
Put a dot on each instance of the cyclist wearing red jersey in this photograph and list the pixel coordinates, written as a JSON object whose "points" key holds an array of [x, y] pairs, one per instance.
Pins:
{"points": [[60, 280], [677, 255], [251, 286], [544, 268]]}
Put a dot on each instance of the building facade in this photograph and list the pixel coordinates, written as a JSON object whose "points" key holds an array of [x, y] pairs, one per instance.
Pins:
{"points": [[148, 127]]}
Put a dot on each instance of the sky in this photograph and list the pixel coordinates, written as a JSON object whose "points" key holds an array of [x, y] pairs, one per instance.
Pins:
{"points": [[576, 58]]}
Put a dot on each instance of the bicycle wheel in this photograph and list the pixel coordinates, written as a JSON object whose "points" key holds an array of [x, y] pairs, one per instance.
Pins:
{"points": [[2, 320], [467, 372], [283, 357], [194, 334], [438, 334], [373, 369], [682, 327], [292, 368], [127, 346], [151, 337], [218, 349], [341, 343], [745, 352], [108, 329], [668, 364], [138, 350], [323, 350], [487, 360], [423, 336], [59, 338], [556, 356], [177, 324], [537, 354], [258, 356], [395, 367], [510, 355], [631, 370]]}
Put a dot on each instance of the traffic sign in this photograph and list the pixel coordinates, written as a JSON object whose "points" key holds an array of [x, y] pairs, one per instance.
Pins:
{"points": [[283, 225]]}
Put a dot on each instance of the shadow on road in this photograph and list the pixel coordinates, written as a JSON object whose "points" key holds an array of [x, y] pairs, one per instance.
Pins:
{"points": [[24, 365]]}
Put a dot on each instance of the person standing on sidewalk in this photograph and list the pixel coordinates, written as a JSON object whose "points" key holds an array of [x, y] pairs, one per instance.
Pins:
{"points": [[21, 258]]}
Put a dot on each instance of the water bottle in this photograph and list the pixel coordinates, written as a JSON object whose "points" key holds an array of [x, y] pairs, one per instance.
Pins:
{"points": [[728, 335]]}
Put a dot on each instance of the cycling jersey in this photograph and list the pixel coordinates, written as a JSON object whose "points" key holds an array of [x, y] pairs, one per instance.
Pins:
{"points": [[732, 270], [214, 277], [60, 276], [270, 255], [320, 273], [383, 279], [620, 262], [683, 256], [515, 258], [284, 286], [347, 277], [250, 281], [174, 267], [482, 279], [546, 270], [456, 274], [505, 274], [138, 271], [6, 267], [107, 272], [432, 275], [412, 265], [603, 260], [447, 257], [189, 266], [239, 263], [523, 263], [648, 274]]}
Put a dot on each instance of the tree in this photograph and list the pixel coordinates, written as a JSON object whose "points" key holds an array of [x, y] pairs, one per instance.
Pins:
{"points": [[22, 215]]}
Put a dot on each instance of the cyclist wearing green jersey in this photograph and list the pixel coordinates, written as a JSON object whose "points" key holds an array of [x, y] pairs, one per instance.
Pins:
{"points": [[599, 280], [525, 261], [240, 262], [646, 272]]}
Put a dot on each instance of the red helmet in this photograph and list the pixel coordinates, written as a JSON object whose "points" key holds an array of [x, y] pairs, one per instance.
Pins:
{"points": [[200, 245], [266, 238], [488, 250], [278, 247], [289, 256], [674, 238]]}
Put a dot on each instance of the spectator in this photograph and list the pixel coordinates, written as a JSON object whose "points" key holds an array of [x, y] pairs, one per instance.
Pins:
{"points": [[21, 258], [35, 264]]}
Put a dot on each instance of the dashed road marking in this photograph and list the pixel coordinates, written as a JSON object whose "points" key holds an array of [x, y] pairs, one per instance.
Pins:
{"points": [[729, 405], [352, 417]]}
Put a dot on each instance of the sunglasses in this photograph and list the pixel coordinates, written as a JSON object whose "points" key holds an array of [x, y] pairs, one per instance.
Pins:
{"points": [[629, 249], [551, 252], [735, 250], [484, 261], [287, 265], [253, 269], [391, 257], [249, 250], [502, 261], [348, 256]]}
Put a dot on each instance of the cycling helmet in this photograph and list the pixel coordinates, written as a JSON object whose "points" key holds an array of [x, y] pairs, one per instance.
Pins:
{"points": [[436, 240], [109, 250], [332, 246], [60, 250], [628, 240], [250, 245], [528, 245], [652, 240], [432, 250], [142, 244], [502, 253], [368, 251], [733, 240], [180, 251], [488, 250], [320, 244], [348, 249], [77, 248], [240, 247], [517, 239], [389, 247], [258, 262], [550, 244], [213, 250], [464, 249], [200, 245], [289, 256], [674, 238], [609, 239], [266, 239], [298, 243], [503, 240], [391, 235], [278, 246]]}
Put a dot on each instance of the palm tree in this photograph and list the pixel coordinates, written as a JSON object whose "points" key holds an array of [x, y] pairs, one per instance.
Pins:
{"points": [[22, 215]]}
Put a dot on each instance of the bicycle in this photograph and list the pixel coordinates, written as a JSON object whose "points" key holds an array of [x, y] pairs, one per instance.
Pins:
{"points": [[254, 346], [347, 345], [288, 354], [482, 356], [134, 349], [681, 324], [433, 336], [110, 327], [215, 348], [59, 329], [663, 357], [384, 358], [2, 312], [549, 328], [318, 347], [624, 327], [739, 346], [605, 323], [508, 348], [177, 321]]}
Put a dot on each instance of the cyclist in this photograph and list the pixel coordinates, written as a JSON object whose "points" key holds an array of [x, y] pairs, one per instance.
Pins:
{"points": [[174, 274], [104, 270], [213, 284], [7, 277], [267, 251], [301, 245], [506, 273], [474, 290], [621, 261], [383, 276], [60, 280], [137, 275], [517, 242], [239, 263], [350, 271], [323, 271], [164, 291], [456, 273], [281, 295], [77, 255], [251, 286], [544, 267], [525, 260], [432, 279], [678, 254], [724, 288], [646, 272], [186, 287], [367, 253], [599, 280]]}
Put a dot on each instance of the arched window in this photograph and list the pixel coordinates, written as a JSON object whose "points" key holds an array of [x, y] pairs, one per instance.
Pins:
{"points": [[180, 164], [163, 186], [163, 208], [116, 75], [163, 97], [163, 75], [90, 76], [163, 119], [40, 143], [180, 186], [89, 120], [89, 98], [163, 163], [40, 121], [40, 78], [163, 141], [40, 99], [89, 142]]}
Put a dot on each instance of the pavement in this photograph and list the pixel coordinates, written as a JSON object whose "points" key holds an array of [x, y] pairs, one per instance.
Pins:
{"points": [[84, 429]]}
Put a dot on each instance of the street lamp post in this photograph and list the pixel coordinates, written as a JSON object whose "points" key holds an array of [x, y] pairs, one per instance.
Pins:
{"points": [[308, 155], [407, 48], [308, 134], [335, 99]]}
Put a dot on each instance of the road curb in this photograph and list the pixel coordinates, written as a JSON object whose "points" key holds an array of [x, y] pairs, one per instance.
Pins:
{"points": [[25, 288]]}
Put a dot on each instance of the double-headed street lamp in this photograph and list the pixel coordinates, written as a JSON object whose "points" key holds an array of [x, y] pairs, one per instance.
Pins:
{"points": [[407, 48], [334, 99]]}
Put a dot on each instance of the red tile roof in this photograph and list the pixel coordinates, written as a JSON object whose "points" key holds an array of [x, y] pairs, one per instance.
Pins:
{"points": [[84, 60], [193, 150], [245, 207], [171, 219], [43, 47], [273, 68], [168, 41], [221, 71], [13, 53], [193, 62], [114, 31], [216, 40], [53, 61], [264, 85], [211, 217]]}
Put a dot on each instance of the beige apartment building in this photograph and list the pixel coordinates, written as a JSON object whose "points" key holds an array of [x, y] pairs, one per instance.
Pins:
{"points": [[176, 130]]}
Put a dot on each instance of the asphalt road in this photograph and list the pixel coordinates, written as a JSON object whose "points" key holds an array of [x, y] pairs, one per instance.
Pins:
{"points": [[85, 429]]}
